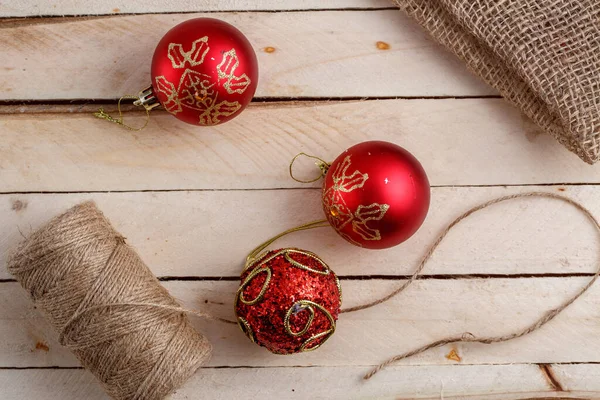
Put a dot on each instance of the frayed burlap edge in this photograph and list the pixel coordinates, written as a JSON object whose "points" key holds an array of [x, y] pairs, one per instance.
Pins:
{"points": [[482, 61]]}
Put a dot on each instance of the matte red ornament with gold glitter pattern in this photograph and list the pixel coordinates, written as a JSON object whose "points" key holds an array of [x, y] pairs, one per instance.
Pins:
{"points": [[204, 71], [376, 194], [288, 301]]}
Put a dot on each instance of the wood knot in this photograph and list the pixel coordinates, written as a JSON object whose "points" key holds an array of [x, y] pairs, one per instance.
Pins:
{"points": [[19, 205], [453, 355], [382, 45], [42, 346]]}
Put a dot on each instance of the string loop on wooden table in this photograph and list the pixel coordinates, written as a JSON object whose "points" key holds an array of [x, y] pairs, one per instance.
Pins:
{"points": [[101, 114], [319, 162], [108, 307], [116, 317], [467, 336]]}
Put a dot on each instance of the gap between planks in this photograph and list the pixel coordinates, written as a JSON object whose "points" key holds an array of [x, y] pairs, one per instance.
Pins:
{"points": [[494, 245], [79, 17], [499, 185], [34, 106], [439, 277], [541, 365], [15, 22]]}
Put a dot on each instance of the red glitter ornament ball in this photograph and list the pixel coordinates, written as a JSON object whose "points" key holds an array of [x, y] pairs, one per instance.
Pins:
{"points": [[376, 194], [288, 301], [204, 71]]}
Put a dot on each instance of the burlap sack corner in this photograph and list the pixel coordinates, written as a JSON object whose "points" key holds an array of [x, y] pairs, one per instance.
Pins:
{"points": [[541, 55]]}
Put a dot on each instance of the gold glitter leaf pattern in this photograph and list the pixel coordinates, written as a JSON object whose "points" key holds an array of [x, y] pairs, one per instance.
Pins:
{"points": [[196, 90], [226, 71], [172, 103], [347, 183], [225, 108], [363, 214], [339, 214], [195, 56]]}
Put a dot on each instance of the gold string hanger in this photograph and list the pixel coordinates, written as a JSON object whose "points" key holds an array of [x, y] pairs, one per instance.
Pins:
{"points": [[466, 337], [254, 254], [319, 162], [144, 98]]}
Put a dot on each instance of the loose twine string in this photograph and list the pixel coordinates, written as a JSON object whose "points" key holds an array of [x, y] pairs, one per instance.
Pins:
{"points": [[467, 336], [83, 276]]}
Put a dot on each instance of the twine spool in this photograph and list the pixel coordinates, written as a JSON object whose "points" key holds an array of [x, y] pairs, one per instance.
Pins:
{"points": [[101, 298]]}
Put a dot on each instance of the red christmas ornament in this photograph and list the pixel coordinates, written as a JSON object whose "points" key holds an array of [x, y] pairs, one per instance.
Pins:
{"points": [[204, 72], [288, 301], [376, 194]]}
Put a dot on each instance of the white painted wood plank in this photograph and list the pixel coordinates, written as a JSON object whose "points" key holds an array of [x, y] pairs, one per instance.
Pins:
{"points": [[210, 233], [428, 311], [578, 377], [329, 53], [24, 8], [516, 381], [459, 142]]}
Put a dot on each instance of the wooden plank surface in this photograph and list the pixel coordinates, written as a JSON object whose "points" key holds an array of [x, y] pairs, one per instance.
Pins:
{"points": [[193, 201], [209, 233], [429, 310], [459, 142], [323, 54], [502, 382], [22, 8]]}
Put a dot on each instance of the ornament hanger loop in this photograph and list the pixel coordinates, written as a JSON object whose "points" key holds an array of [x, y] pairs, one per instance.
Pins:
{"points": [[103, 115], [254, 254], [319, 162]]}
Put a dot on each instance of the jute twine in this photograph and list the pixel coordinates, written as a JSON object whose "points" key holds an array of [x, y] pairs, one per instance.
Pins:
{"points": [[126, 328], [541, 55], [108, 307], [467, 336]]}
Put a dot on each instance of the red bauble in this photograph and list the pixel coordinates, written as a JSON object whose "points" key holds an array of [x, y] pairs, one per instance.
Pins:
{"points": [[376, 194], [288, 301], [204, 71]]}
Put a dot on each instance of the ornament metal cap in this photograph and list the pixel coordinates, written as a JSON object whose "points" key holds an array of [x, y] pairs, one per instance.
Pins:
{"points": [[147, 99]]}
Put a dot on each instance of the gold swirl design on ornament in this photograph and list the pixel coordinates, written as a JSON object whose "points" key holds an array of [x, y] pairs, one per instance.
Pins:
{"points": [[287, 254], [263, 289], [339, 287], [259, 266], [297, 308], [260, 262], [245, 327], [302, 305]]}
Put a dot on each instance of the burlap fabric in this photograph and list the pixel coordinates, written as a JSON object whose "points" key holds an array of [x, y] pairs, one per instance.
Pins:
{"points": [[541, 55]]}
